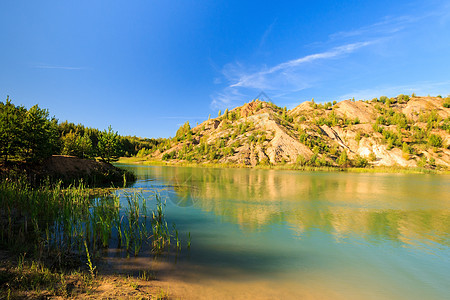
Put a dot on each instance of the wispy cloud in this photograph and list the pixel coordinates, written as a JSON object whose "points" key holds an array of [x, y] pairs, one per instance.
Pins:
{"points": [[388, 25], [287, 69], [288, 79], [266, 33], [41, 66], [282, 79], [227, 98]]}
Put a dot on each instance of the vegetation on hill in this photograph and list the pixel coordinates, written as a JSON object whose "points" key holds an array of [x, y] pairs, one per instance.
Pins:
{"points": [[405, 131]]}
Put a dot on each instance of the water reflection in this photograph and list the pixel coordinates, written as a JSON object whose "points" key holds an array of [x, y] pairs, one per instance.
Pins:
{"points": [[406, 209]]}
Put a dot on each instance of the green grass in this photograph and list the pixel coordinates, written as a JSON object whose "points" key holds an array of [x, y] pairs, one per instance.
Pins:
{"points": [[51, 224], [295, 167]]}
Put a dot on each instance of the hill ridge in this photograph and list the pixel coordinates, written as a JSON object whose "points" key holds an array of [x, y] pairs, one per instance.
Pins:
{"points": [[402, 131]]}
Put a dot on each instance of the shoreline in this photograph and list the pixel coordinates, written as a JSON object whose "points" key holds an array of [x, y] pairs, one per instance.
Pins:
{"points": [[290, 167]]}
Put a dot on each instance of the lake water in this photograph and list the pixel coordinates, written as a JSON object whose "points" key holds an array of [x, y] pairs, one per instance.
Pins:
{"points": [[269, 234]]}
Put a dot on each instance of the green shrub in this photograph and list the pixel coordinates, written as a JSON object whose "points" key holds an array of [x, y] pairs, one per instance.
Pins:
{"points": [[447, 102], [435, 140], [360, 162]]}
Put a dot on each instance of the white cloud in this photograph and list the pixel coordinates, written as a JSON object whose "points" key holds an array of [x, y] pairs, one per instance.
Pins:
{"points": [[57, 67], [287, 79], [284, 78], [287, 70], [227, 98]]}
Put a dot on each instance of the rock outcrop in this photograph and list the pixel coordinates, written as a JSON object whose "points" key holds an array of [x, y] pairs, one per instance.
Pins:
{"points": [[403, 131]]}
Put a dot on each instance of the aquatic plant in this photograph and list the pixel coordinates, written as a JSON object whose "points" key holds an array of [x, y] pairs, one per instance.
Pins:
{"points": [[54, 220]]}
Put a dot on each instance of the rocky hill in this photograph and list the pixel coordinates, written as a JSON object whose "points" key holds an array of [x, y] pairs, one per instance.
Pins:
{"points": [[402, 131]]}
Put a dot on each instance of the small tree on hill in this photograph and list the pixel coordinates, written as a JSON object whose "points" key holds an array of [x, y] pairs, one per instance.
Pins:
{"points": [[184, 132], [108, 145]]}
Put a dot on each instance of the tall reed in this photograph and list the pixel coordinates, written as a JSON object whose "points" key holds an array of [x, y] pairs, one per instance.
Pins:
{"points": [[68, 220]]}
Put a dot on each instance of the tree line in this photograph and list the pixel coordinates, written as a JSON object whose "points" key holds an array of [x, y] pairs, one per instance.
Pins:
{"points": [[31, 135]]}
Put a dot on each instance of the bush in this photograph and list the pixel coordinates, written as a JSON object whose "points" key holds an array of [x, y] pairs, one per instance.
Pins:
{"points": [[447, 103], [301, 160], [435, 140], [360, 162], [343, 159], [402, 98]]}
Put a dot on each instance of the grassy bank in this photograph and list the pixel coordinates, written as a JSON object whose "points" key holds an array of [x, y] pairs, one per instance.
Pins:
{"points": [[394, 169], [50, 235]]}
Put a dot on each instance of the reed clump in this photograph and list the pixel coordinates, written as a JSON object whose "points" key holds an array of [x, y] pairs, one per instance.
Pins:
{"points": [[62, 223]]}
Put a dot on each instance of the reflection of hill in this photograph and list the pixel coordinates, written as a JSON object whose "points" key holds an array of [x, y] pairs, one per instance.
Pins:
{"points": [[395, 207]]}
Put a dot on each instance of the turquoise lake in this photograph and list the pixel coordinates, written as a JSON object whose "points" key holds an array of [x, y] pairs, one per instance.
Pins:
{"points": [[270, 234]]}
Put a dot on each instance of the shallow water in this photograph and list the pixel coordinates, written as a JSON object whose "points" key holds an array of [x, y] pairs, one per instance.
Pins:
{"points": [[288, 234]]}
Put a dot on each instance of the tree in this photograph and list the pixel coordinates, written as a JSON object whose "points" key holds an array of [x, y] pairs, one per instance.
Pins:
{"points": [[343, 159], [28, 135], [77, 145], [40, 133], [108, 145], [11, 130], [184, 132]]}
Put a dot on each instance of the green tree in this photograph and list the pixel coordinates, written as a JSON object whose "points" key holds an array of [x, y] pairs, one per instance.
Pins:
{"points": [[40, 135], [343, 159], [11, 129], [76, 145], [108, 145], [184, 132]]}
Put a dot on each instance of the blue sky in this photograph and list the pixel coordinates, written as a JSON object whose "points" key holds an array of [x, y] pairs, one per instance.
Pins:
{"points": [[146, 67]]}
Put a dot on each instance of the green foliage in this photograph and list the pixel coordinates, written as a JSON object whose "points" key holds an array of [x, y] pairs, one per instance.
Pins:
{"points": [[422, 162], [11, 130], [108, 145], [435, 140], [383, 99], [358, 136], [390, 117], [169, 155], [233, 115], [406, 148], [419, 134], [402, 98], [360, 162], [447, 102], [184, 132], [343, 159], [392, 139], [301, 160], [330, 120], [26, 134], [76, 145], [144, 152]]}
